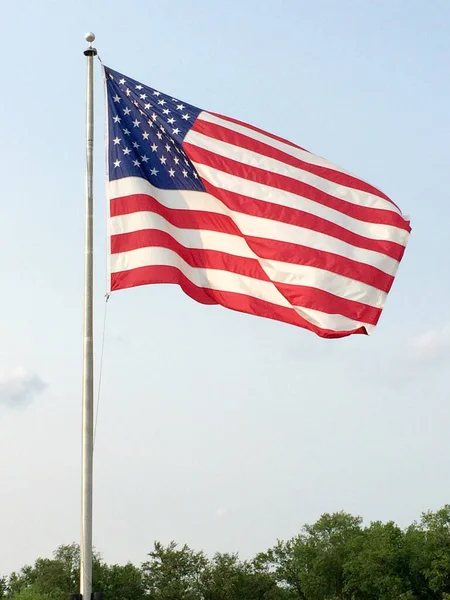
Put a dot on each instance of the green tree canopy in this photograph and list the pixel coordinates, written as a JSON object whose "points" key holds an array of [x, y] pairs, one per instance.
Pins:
{"points": [[335, 558]]}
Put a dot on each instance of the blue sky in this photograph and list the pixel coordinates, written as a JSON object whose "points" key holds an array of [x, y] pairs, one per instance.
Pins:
{"points": [[215, 428]]}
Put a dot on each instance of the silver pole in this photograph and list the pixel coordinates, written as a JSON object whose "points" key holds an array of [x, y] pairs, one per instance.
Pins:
{"points": [[88, 349]]}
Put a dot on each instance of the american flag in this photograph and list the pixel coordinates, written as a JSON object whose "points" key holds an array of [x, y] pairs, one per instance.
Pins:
{"points": [[239, 217]]}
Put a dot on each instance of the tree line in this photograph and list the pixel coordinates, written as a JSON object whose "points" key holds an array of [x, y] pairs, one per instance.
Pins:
{"points": [[336, 558]]}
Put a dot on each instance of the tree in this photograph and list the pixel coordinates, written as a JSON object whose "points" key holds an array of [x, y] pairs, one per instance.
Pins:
{"points": [[311, 565], [3, 587], [122, 582], [30, 593], [328, 544], [228, 578], [53, 578], [286, 562], [335, 558], [377, 566], [428, 544], [173, 574]]}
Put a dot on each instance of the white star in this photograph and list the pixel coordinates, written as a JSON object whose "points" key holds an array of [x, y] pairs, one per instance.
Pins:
{"points": [[195, 175], [166, 111], [147, 106], [171, 121], [155, 93], [144, 158], [162, 129], [116, 119], [176, 160], [126, 131], [136, 145], [117, 163], [116, 98], [159, 135], [154, 171], [180, 106], [136, 163], [163, 160], [154, 147], [121, 81], [111, 76], [185, 117], [168, 148], [142, 112], [126, 111], [135, 102], [143, 96], [171, 172], [154, 117], [139, 87], [175, 131], [185, 173], [117, 140], [128, 92], [136, 123], [162, 102], [150, 123], [145, 135], [126, 151]]}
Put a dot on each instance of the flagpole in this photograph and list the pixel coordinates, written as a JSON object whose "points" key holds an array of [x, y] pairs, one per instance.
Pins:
{"points": [[88, 349]]}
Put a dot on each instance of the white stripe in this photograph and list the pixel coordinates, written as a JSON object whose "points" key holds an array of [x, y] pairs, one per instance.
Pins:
{"points": [[226, 281], [190, 238], [277, 271], [349, 194], [250, 225], [211, 278], [266, 193], [297, 152], [254, 159]]}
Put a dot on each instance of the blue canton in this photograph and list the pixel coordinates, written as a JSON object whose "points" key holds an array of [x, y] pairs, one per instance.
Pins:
{"points": [[146, 129]]}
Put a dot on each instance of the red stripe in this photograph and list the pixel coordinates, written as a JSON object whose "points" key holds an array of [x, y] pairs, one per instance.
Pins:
{"points": [[305, 296], [289, 184], [231, 300], [186, 219], [308, 297], [258, 130], [195, 257], [304, 255], [262, 247], [240, 140], [292, 216]]}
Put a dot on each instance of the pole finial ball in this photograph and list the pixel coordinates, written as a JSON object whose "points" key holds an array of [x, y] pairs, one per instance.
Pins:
{"points": [[89, 37]]}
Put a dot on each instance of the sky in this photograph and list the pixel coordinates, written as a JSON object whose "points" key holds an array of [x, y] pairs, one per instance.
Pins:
{"points": [[218, 429]]}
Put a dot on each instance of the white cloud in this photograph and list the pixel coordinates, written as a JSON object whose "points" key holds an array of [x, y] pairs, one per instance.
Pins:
{"points": [[221, 511], [432, 344], [19, 387]]}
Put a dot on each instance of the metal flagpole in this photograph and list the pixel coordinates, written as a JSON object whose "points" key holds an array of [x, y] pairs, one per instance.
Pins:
{"points": [[88, 350]]}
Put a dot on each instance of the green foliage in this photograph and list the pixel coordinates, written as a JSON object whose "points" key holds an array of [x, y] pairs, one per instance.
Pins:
{"points": [[173, 573], [311, 565], [31, 593], [3, 587], [121, 582], [54, 579], [335, 558], [228, 578], [377, 567]]}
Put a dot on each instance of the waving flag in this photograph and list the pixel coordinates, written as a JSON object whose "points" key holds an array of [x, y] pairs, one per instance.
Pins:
{"points": [[239, 217]]}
